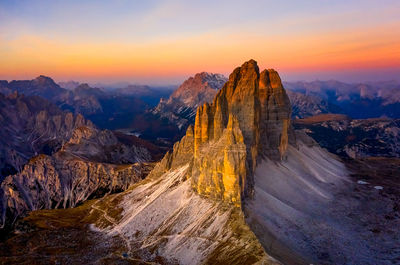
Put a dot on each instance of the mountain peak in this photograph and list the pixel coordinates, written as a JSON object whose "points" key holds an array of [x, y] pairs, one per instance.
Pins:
{"points": [[42, 79], [195, 91], [85, 89], [213, 80], [83, 86], [248, 120], [199, 85], [262, 109], [250, 64], [40, 86]]}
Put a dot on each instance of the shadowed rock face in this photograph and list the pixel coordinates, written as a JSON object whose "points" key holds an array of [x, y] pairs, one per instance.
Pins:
{"points": [[104, 147], [88, 165], [31, 125], [106, 109], [248, 119]]}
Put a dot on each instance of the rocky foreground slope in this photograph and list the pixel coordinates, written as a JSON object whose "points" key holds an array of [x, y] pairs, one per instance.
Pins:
{"points": [[239, 188]]}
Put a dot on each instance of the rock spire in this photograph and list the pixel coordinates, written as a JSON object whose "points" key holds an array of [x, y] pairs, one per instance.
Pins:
{"points": [[248, 120]]}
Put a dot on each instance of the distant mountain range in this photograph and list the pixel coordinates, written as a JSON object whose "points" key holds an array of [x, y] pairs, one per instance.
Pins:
{"points": [[359, 101], [360, 138], [108, 109], [309, 105], [161, 117]]}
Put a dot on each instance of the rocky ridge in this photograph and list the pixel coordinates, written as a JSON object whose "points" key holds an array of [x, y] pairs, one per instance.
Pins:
{"points": [[62, 181], [106, 108], [34, 126], [82, 99], [42, 86]]}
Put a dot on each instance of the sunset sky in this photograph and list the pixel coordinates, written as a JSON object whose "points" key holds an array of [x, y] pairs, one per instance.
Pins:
{"points": [[164, 42]]}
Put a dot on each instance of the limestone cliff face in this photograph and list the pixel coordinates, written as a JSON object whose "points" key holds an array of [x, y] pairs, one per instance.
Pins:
{"points": [[219, 167], [249, 119], [258, 104]]}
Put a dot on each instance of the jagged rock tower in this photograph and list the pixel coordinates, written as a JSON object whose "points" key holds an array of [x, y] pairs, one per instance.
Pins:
{"points": [[248, 120]]}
